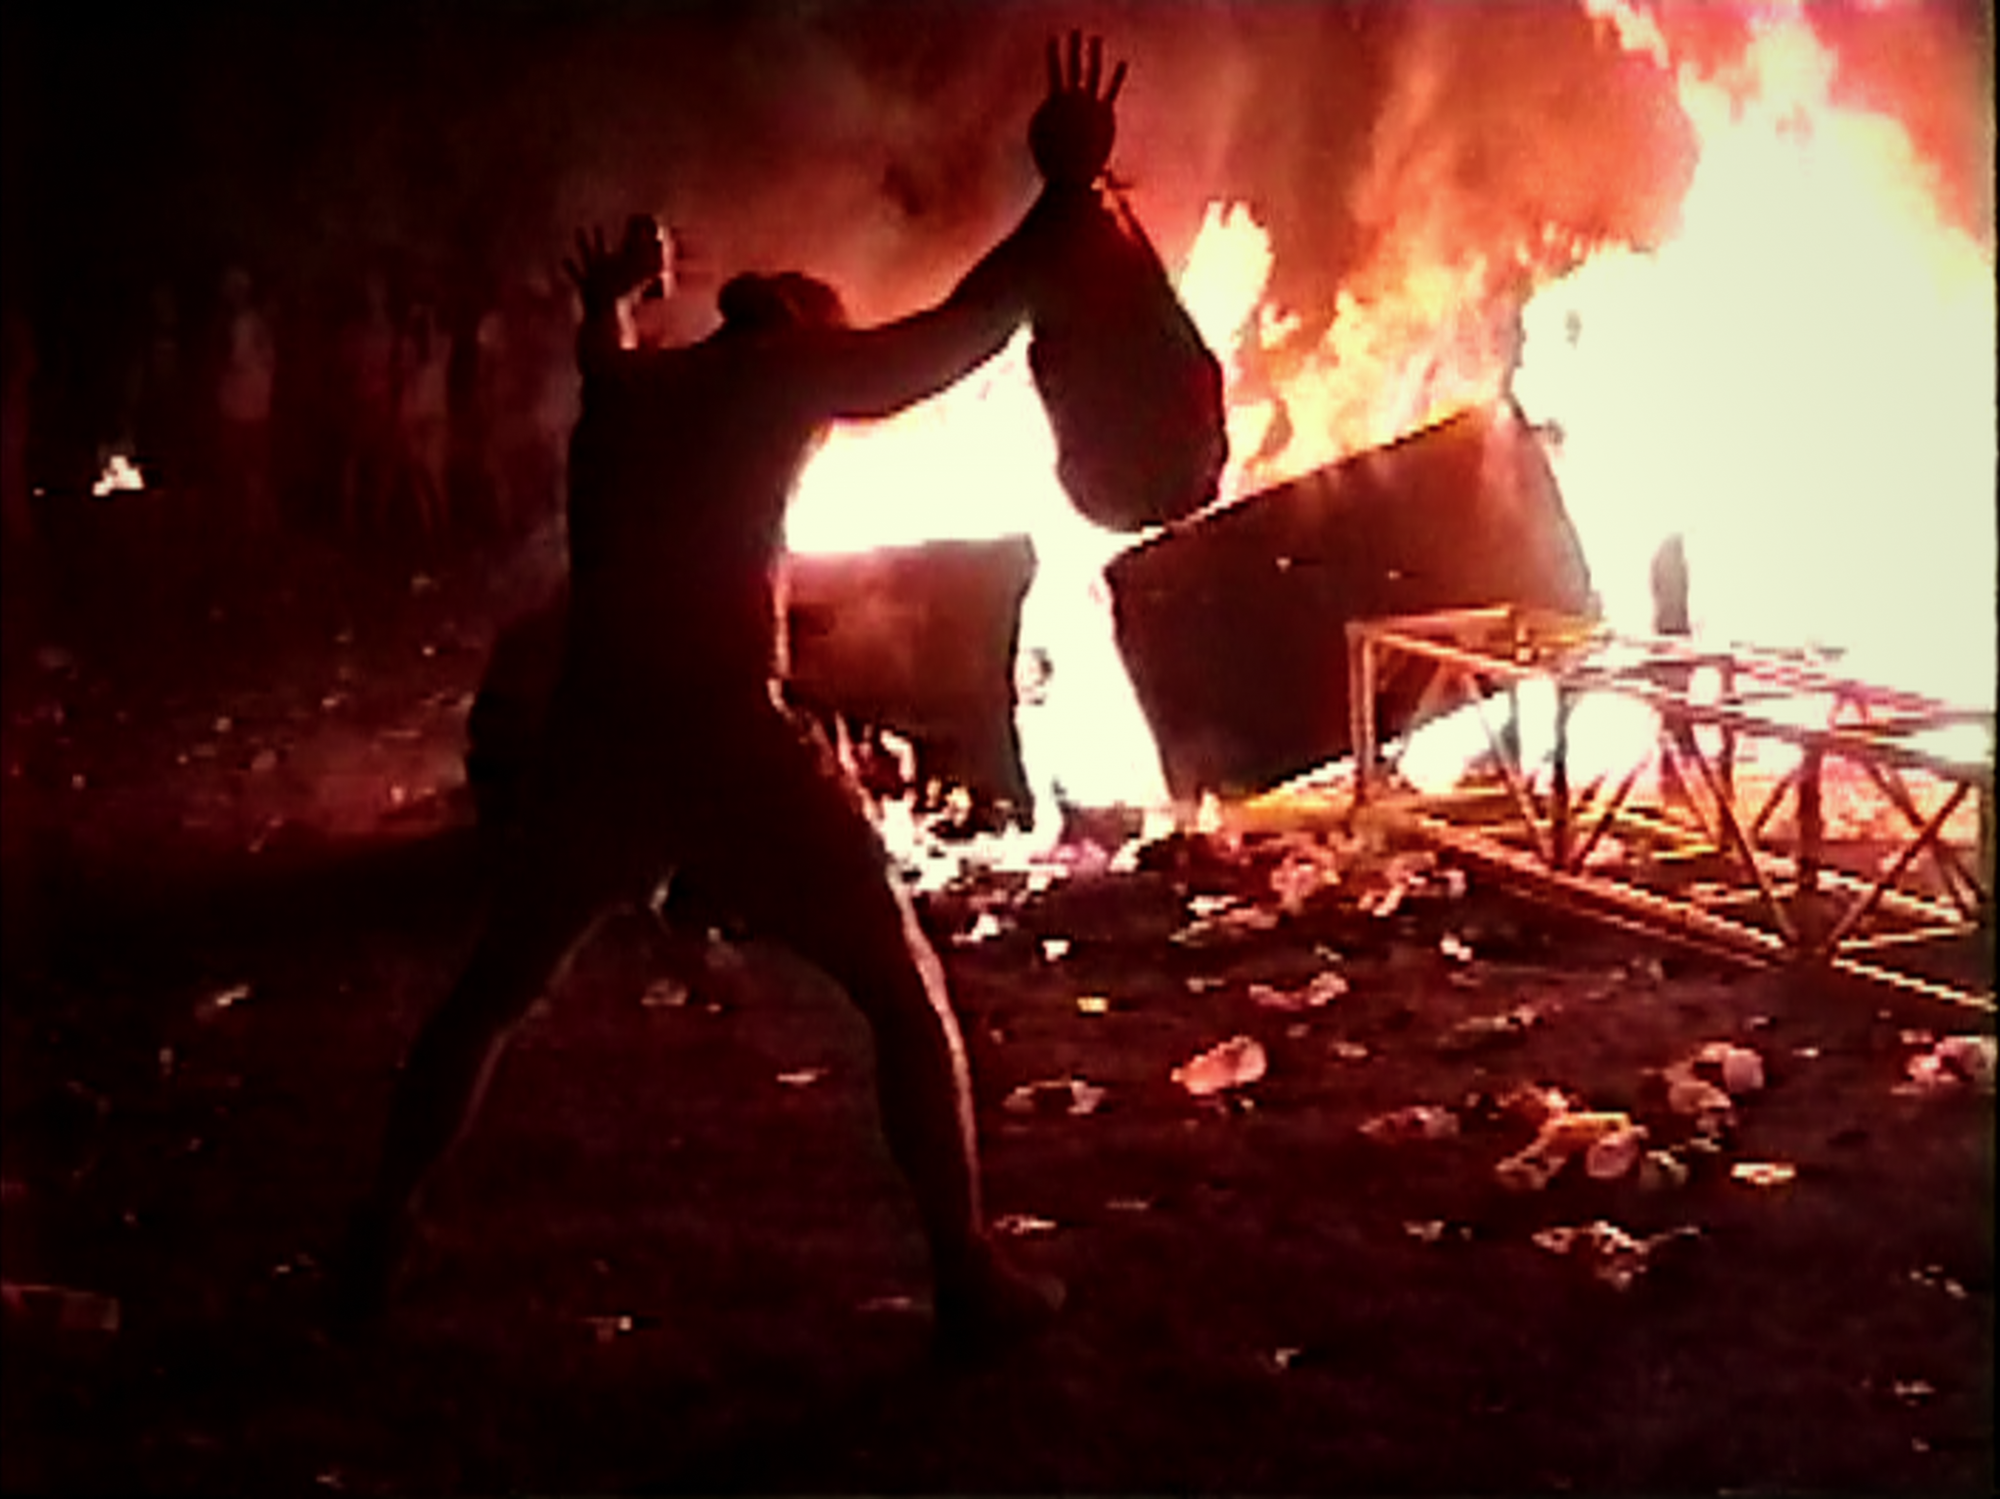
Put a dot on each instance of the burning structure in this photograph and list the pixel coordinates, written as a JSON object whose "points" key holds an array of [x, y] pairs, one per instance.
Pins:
{"points": [[1789, 392]]}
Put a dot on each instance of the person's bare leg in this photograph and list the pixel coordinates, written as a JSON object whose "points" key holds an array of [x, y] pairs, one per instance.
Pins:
{"points": [[534, 926], [810, 872]]}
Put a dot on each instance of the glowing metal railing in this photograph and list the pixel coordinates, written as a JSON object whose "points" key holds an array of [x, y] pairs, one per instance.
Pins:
{"points": [[1697, 850]]}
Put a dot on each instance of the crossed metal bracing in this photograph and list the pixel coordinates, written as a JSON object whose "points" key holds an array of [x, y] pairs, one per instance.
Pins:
{"points": [[1718, 833]]}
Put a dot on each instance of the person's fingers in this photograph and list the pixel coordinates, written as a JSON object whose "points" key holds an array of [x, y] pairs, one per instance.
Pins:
{"points": [[1075, 58], [1117, 83], [1094, 70], [1055, 66]]}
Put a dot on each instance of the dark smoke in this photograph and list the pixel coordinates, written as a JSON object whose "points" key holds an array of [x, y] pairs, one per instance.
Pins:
{"points": [[878, 144]]}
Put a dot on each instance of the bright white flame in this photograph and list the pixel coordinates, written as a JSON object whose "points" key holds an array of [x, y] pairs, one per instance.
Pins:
{"points": [[1801, 382]]}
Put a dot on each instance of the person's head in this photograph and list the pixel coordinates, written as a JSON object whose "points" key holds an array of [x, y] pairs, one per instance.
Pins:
{"points": [[789, 299]]}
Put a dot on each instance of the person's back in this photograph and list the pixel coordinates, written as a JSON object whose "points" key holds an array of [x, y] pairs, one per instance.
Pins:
{"points": [[680, 470]]}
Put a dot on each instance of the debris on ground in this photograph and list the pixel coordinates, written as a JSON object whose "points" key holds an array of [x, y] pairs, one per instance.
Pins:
{"points": [[1022, 1225], [62, 1309], [1232, 1064], [1320, 991], [1055, 1095], [1763, 1173], [1479, 1032], [222, 999], [1952, 1063], [1609, 1142], [1614, 1256], [1416, 1122]]}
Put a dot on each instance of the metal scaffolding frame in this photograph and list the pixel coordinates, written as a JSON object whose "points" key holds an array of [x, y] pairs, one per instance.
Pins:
{"points": [[1700, 839]]}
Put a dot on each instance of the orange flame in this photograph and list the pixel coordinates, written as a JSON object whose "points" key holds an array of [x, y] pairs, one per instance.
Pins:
{"points": [[1800, 383]]}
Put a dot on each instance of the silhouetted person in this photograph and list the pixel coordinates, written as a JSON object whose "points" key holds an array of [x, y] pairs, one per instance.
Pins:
{"points": [[423, 419], [367, 404], [248, 367], [666, 748]]}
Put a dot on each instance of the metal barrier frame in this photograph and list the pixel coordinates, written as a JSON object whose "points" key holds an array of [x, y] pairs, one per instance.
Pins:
{"points": [[1711, 869]]}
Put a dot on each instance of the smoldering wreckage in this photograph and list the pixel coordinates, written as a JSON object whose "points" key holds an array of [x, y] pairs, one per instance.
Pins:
{"points": [[1604, 1001]]}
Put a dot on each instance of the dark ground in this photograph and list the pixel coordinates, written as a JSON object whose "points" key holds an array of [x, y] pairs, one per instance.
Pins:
{"points": [[674, 1255]]}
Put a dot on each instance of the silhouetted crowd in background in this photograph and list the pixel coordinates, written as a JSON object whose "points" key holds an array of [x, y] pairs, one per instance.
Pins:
{"points": [[405, 418]]}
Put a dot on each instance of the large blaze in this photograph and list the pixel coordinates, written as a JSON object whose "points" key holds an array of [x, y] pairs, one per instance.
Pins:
{"points": [[1799, 382]]}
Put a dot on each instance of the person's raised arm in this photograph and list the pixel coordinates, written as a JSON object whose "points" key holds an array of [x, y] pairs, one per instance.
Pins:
{"points": [[603, 278], [861, 373]]}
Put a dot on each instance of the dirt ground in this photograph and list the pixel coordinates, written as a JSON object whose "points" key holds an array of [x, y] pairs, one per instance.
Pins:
{"points": [[674, 1255]]}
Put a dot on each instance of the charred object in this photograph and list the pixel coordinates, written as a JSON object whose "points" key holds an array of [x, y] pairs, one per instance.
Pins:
{"points": [[1234, 629]]}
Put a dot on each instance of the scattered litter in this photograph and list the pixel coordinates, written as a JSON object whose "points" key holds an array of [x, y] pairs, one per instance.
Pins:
{"points": [[1531, 1103], [1954, 1062], [1022, 1225], [1934, 1277], [1455, 949], [1303, 873], [1741, 1069], [985, 927], [1129, 1204], [1202, 985], [1911, 1391], [1806, 1053], [665, 994], [60, 1308], [222, 999], [608, 1329], [1204, 906], [1916, 1037], [1066, 1095], [1348, 1051], [1093, 1004], [1420, 1121], [1236, 921], [1427, 1232], [1563, 1136], [1615, 1256], [1282, 1358], [804, 1077], [1613, 1155], [1662, 1170], [1382, 902], [1478, 1032], [1763, 1173], [224, 724], [1233, 1063], [1323, 989], [1054, 949]]}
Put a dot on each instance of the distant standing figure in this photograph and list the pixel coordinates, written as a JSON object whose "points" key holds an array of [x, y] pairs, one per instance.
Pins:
{"points": [[423, 419], [368, 409], [243, 410]]}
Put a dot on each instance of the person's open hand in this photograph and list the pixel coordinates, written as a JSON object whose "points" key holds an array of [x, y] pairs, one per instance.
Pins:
{"points": [[602, 275], [1071, 133]]}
